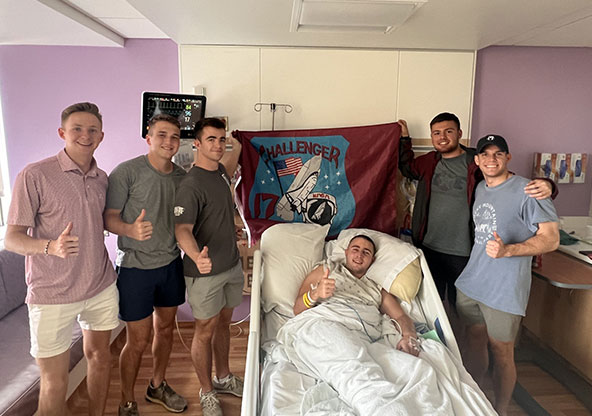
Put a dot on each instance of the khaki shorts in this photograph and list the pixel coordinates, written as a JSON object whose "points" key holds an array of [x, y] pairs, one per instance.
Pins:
{"points": [[51, 325], [209, 295], [501, 326]]}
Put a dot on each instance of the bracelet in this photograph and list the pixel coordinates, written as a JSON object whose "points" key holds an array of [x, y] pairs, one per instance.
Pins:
{"points": [[312, 302], [305, 301], [46, 249]]}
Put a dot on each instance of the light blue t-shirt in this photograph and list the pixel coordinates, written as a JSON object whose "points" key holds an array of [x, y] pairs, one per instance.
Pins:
{"points": [[504, 283]]}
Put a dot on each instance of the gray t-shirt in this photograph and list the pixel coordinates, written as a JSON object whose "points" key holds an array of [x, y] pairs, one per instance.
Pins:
{"points": [[204, 199], [504, 283], [135, 185], [449, 214]]}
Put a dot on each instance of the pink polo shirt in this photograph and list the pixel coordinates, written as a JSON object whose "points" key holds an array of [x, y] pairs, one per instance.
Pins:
{"points": [[46, 196]]}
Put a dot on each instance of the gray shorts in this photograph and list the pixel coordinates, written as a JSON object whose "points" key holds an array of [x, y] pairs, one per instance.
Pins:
{"points": [[209, 295], [501, 326]]}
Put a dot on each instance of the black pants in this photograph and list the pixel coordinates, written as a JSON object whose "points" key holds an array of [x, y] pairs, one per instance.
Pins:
{"points": [[445, 270]]}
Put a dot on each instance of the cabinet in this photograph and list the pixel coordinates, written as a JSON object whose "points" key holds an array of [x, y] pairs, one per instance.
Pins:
{"points": [[230, 78], [435, 82], [561, 318], [330, 87]]}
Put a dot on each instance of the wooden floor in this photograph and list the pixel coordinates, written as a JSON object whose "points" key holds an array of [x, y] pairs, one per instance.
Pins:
{"points": [[549, 393], [180, 375], [546, 390]]}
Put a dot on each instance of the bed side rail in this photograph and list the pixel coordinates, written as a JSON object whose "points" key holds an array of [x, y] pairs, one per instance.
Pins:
{"points": [[250, 400], [433, 308]]}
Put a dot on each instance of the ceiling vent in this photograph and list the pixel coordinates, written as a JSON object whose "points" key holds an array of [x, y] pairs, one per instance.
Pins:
{"points": [[375, 16]]}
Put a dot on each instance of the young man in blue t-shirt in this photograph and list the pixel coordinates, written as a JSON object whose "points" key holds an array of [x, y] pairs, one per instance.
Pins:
{"points": [[493, 289]]}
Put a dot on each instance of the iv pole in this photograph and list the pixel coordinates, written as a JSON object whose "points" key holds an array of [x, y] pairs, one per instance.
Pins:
{"points": [[272, 107]]}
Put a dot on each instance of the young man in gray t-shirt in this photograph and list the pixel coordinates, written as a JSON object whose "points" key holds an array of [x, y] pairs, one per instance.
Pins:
{"points": [[150, 279], [493, 289]]}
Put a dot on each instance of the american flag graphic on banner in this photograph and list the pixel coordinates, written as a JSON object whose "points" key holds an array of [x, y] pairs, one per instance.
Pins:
{"points": [[289, 166]]}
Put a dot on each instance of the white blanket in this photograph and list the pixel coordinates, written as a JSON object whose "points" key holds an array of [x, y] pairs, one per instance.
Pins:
{"points": [[350, 349]]}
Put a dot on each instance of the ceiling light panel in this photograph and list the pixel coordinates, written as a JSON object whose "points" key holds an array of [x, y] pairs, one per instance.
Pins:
{"points": [[351, 15]]}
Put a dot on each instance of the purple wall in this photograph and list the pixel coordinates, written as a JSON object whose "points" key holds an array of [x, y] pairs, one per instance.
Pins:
{"points": [[38, 82], [540, 99]]}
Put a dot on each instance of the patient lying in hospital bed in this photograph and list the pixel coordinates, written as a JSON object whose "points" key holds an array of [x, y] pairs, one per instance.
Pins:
{"points": [[341, 355]]}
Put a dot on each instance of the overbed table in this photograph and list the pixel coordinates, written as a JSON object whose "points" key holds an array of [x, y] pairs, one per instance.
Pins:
{"points": [[564, 271]]}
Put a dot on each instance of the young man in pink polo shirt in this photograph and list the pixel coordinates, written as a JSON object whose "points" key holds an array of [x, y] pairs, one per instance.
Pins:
{"points": [[56, 221]]}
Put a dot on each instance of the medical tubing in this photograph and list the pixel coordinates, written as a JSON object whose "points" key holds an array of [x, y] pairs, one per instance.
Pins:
{"points": [[372, 340], [414, 342]]}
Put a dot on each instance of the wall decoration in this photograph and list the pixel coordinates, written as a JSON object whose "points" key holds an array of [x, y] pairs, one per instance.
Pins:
{"points": [[561, 167]]}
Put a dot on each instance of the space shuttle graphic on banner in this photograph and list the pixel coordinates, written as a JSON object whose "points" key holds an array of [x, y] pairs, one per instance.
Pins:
{"points": [[303, 181]]}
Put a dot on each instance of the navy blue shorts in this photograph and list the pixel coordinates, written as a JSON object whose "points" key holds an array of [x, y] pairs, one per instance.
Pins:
{"points": [[142, 290]]}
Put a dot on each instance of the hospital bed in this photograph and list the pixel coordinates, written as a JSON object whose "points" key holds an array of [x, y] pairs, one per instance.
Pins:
{"points": [[425, 308]]}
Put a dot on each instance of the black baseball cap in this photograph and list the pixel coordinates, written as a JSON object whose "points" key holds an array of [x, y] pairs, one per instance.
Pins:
{"points": [[494, 139]]}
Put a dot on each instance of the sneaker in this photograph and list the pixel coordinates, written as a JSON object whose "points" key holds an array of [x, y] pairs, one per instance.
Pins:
{"points": [[128, 409], [234, 385], [166, 397], [210, 405]]}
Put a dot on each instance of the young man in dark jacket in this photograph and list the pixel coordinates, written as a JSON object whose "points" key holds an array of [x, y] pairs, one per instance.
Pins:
{"points": [[447, 177]]}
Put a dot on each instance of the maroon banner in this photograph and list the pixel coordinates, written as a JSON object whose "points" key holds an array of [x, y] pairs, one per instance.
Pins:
{"points": [[345, 177]]}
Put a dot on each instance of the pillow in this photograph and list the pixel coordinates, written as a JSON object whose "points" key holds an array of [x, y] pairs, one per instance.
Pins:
{"points": [[406, 284], [396, 267], [290, 251]]}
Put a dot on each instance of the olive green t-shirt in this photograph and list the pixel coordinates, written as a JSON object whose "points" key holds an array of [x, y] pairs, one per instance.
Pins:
{"points": [[204, 199]]}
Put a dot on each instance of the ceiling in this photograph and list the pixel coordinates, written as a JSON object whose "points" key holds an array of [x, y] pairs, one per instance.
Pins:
{"points": [[437, 24]]}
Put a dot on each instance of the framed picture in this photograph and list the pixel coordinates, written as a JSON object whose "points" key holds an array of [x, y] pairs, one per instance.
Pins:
{"points": [[224, 119]]}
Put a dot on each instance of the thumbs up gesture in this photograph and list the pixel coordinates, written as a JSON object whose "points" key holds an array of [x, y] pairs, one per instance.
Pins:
{"points": [[204, 262], [66, 245], [325, 287], [495, 248], [141, 230]]}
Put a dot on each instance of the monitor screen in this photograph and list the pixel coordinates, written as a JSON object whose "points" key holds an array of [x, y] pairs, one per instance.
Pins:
{"points": [[188, 109]]}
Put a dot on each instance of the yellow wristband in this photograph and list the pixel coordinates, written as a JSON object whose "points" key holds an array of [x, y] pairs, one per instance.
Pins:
{"points": [[307, 302], [304, 301]]}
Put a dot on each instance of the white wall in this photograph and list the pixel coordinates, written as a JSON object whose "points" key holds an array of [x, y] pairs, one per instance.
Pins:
{"points": [[329, 87]]}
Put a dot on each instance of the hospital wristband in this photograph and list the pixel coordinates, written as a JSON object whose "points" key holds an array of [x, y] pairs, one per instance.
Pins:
{"points": [[312, 302]]}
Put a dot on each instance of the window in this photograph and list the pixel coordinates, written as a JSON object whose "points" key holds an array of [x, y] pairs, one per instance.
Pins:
{"points": [[4, 182]]}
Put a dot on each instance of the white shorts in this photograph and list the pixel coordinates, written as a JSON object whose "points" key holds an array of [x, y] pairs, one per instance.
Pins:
{"points": [[51, 326]]}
